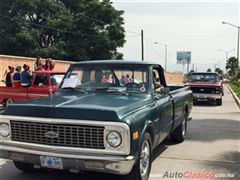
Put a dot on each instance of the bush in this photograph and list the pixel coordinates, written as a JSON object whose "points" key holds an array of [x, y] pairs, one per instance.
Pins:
{"points": [[236, 89], [236, 79]]}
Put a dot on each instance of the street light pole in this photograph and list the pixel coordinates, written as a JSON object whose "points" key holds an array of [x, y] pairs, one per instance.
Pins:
{"points": [[238, 27], [226, 52], [165, 45], [238, 48]]}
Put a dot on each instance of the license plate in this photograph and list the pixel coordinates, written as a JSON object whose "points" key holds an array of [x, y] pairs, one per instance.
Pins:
{"points": [[51, 162], [201, 96]]}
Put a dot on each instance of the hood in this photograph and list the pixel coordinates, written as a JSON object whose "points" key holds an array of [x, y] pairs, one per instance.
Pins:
{"points": [[200, 83], [92, 106]]}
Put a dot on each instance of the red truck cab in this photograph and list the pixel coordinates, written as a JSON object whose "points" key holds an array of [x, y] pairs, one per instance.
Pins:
{"points": [[206, 86], [43, 84]]}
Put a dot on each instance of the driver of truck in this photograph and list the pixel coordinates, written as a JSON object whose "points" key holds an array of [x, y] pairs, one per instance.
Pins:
{"points": [[156, 83], [98, 77]]}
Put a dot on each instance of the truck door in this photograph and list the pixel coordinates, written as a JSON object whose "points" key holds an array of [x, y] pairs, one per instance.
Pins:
{"points": [[39, 87], [165, 105]]}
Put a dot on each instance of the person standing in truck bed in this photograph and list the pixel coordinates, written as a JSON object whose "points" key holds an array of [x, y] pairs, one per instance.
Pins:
{"points": [[9, 76], [26, 78], [17, 76]]}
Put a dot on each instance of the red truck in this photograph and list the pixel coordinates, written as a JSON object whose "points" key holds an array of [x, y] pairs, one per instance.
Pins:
{"points": [[43, 84], [206, 87]]}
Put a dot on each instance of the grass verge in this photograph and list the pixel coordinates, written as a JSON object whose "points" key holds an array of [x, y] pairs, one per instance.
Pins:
{"points": [[236, 89]]}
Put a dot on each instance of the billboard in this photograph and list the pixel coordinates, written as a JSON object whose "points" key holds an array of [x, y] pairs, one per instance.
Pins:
{"points": [[183, 57]]}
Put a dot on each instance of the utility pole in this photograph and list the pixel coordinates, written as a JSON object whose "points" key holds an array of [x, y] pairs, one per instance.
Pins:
{"points": [[165, 57], [142, 45], [187, 67], [165, 45], [226, 53]]}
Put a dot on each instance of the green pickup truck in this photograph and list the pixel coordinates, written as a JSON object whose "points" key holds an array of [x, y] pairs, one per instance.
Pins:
{"points": [[107, 116]]}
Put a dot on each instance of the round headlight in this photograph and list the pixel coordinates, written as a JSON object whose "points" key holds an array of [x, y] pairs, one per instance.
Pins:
{"points": [[114, 139], [4, 130]]}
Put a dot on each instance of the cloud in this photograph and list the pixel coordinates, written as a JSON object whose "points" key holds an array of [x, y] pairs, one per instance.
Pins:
{"points": [[194, 27]]}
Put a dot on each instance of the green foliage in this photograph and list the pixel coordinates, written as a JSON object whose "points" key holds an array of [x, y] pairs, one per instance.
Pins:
{"points": [[232, 63], [236, 89], [61, 29], [219, 71], [236, 79]]}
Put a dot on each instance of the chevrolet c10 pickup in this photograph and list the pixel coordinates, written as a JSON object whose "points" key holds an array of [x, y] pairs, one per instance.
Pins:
{"points": [[107, 116]]}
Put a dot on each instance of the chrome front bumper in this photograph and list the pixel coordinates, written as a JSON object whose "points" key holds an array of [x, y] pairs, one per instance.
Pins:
{"points": [[206, 96], [108, 160], [73, 162]]}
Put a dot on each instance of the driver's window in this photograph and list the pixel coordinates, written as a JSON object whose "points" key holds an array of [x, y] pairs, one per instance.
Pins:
{"points": [[156, 85]]}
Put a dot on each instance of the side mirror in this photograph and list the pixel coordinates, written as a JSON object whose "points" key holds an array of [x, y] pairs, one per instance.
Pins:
{"points": [[165, 91]]}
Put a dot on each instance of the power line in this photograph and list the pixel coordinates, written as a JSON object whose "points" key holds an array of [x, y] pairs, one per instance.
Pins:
{"points": [[192, 35], [150, 45], [132, 32], [133, 36]]}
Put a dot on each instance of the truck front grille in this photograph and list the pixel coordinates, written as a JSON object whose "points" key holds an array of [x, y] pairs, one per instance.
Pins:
{"points": [[58, 134], [205, 90]]}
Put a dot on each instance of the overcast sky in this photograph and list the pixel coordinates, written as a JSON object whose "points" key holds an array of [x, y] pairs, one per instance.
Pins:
{"points": [[183, 26]]}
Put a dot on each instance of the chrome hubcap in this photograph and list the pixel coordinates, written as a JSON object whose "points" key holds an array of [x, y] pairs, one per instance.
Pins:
{"points": [[9, 101], [144, 158]]}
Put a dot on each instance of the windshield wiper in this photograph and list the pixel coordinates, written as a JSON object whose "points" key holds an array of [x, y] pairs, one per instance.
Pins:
{"points": [[110, 90], [75, 88]]}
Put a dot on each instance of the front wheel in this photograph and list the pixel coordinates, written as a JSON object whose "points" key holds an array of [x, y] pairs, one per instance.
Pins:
{"points": [[142, 168], [25, 167], [219, 102], [179, 134]]}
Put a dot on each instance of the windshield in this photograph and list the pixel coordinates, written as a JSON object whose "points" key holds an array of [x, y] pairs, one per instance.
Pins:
{"points": [[56, 78], [204, 78], [130, 79]]}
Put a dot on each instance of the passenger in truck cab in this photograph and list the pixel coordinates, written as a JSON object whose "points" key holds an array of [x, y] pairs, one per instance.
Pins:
{"points": [[156, 83], [26, 77]]}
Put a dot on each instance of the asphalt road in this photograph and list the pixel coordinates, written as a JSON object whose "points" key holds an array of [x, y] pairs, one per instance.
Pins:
{"points": [[212, 146]]}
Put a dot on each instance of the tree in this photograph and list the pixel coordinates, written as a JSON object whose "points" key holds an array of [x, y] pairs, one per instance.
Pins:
{"points": [[232, 63], [61, 29], [219, 71]]}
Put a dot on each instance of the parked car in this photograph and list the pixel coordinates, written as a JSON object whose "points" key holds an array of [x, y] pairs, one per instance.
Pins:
{"points": [[41, 86], [206, 87], [107, 116]]}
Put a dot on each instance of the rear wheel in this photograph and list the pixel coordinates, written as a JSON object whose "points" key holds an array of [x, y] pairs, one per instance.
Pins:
{"points": [[25, 167], [7, 102], [142, 168], [179, 134], [219, 102]]}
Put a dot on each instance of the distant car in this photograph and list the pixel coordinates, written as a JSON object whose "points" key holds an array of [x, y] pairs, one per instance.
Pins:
{"points": [[225, 81], [206, 86]]}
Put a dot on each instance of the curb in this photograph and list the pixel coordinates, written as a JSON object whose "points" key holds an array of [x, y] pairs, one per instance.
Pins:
{"points": [[237, 100]]}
